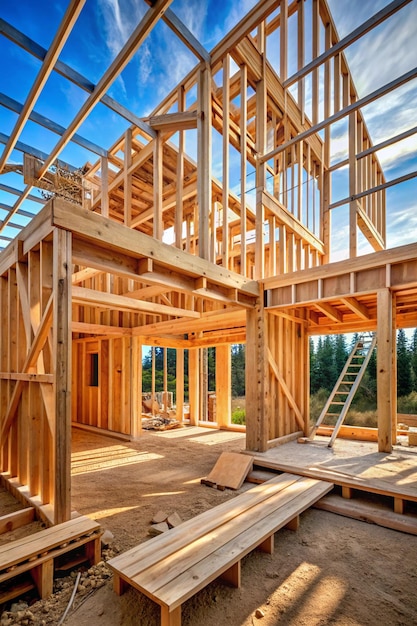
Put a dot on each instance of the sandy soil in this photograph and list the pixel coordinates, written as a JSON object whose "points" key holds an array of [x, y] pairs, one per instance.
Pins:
{"points": [[333, 570]]}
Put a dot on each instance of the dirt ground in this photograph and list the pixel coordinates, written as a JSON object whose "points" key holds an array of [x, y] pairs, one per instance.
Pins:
{"points": [[332, 570]]}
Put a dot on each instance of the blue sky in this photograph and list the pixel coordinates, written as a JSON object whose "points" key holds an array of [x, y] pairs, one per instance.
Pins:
{"points": [[104, 26]]}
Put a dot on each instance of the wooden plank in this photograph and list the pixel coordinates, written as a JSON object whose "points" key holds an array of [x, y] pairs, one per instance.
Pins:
{"points": [[16, 519], [368, 512], [230, 470], [21, 549]]}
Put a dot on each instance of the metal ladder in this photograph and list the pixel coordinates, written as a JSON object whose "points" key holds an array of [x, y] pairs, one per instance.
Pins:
{"points": [[347, 385]]}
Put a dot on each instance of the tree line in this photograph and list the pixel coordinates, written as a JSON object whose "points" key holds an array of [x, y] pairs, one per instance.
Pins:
{"points": [[237, 374], [329, 354]]}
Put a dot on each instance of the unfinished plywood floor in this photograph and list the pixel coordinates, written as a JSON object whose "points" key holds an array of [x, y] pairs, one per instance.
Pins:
{"points": [[353, 464]]}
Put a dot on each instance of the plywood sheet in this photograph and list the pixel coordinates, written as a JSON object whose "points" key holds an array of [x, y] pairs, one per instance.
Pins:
{"points": [[231, 470]]}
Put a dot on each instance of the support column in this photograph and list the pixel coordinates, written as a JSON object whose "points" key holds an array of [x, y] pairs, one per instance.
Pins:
{"points": [[386, 370], [261, 113], [179, 401], [62, 344], [204, 193], [136, 388], [257, 376], [223, 385], [193, 385]]}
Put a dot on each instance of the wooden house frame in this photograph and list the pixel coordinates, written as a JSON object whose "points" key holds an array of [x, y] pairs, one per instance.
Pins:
{"points": [[147, 247]]}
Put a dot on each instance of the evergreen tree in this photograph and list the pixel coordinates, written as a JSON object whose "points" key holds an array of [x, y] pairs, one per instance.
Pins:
{"points": [[238, 370], [314, 378], [404, 385], [326, 370], [414, 359], [340, 354]]}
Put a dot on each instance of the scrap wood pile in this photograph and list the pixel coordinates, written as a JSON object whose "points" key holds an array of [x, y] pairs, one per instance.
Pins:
{"points": [[159, 422], [155, 419]]}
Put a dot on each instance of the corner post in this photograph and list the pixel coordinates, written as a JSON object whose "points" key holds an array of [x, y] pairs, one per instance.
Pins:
{"points": [[62, 345]]}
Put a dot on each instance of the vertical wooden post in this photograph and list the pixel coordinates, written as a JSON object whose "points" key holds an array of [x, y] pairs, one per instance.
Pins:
{"points": [[225, 181], [223, 384], [62, 342], [153, 380], [104, 166], [165, 379], [243, 149], [136, 388], [158, 228], [193, 385], [386, 374], [353, 235], [127, 178], [283, 39], [257, 376], [179, 401], [180, 174], [315, 54], [261, 111], [204, 191], [300, 56]]}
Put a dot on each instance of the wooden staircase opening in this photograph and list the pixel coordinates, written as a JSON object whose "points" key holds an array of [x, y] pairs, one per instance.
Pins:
{"points": [[346, 386]]}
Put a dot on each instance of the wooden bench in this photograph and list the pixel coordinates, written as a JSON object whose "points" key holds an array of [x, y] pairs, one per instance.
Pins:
{"points": [[37, 554], [172, 567]]}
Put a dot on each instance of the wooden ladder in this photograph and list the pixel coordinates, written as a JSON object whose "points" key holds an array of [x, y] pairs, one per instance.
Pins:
{"points": [[347, 385]]}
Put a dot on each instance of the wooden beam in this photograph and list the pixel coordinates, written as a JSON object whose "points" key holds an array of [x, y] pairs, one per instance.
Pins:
{"points": [[186, 35], [82, 295], [329, 311], [173, 122], [110, 237], [357, 307]]}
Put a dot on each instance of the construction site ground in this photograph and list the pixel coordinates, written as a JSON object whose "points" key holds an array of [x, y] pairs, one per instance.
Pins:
{"points": [[332, 570]]}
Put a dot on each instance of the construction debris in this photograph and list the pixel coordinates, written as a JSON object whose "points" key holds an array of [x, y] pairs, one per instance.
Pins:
{"points": [[159, 517], [158, 529], [161, 522], [160, 423]]}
